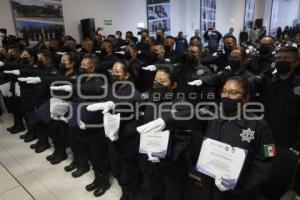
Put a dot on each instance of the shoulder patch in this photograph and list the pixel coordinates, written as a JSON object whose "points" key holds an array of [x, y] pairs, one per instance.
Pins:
{"points": [[297, 90], [145, 96]]}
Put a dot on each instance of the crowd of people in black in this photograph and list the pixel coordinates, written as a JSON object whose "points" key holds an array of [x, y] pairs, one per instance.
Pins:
{"points": [[62, 91]]}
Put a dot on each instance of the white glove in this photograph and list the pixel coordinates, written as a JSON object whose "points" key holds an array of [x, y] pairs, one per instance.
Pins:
{"points": [[23, 79], [82, 125], [1, 64], [275, 71], [150, 68], [60, 53], [196, 83], [105, 106], [295, 151], [64, 119], [54, 117], [228, 68], [218, 183], [14, 72], [66, 88], [156, 125], [120, 52], [33, 80], [152, 159], [123, 47]]}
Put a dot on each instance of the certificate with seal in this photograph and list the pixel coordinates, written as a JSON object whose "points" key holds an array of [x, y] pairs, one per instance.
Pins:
{"points": [[218, 158], [155, 143]]}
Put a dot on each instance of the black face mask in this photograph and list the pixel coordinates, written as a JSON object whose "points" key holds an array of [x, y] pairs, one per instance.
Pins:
{"points": [[227, 50], [234, 64], [103, 52], [66, 49], [62, 67], [160, 89], [283, 67], [167, 48], [153, 57], [229, 105], [24, 61], [191, 60], [82, 71], [114, 78], [127, 55]]}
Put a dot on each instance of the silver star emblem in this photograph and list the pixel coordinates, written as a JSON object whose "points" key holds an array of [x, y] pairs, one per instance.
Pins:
{"points": [[297, 90], [200, 72], [247, 135]]}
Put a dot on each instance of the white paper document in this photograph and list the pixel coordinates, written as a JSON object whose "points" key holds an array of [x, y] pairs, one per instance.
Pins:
{"points": [[155, 143], [217, 158]]}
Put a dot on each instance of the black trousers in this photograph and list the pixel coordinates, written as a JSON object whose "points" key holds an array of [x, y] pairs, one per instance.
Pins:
{"points": [[166, 187], [73, 139], [58, 132], [97, 150], [124, 162]]}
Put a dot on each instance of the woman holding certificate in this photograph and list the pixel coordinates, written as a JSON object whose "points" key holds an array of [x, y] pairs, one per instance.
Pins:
{"points": [[237, 151], [164, 162]]}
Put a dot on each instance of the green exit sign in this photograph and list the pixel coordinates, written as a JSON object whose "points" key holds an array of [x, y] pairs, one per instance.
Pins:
{"points": [[107, 22]]}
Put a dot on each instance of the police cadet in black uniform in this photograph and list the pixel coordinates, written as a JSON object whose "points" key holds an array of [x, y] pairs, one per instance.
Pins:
{"points": [[160, 35], [123, 149], [107, 58], [131, 55], [263, 61], [220, 57], [92, 138], [191, 70], [283, 99], [245, 131], [236, 67], [169, 44], [166, 178], [155, 58], [29, 59], [56, 128], [41, 94], [11, 62]]}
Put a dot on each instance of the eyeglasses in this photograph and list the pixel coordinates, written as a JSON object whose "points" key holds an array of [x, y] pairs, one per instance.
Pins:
{"points": [[230, 92]]}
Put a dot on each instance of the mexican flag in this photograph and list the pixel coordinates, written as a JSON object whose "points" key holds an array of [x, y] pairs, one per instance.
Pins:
{"points": [[269, 150]]}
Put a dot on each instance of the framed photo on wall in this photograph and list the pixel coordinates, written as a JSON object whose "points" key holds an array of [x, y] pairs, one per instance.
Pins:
{"points": [[249, 14], [208, 15], [158, 16], [38, 20]]}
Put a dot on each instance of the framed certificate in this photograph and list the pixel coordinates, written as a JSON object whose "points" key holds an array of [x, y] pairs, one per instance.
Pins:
{"points": [[217, 158]]}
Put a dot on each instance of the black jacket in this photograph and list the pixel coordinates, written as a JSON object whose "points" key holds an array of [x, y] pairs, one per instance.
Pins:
{"points": [[282, 103], [257, 167]]}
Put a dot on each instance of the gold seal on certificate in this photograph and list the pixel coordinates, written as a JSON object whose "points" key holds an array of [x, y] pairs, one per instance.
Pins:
{"points": [[220, 159]]}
